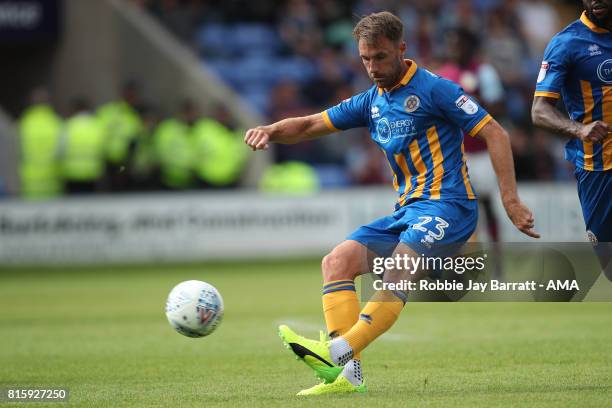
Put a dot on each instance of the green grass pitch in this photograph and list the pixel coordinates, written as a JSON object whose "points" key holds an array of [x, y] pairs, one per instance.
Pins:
{"points": [[103, 334]]}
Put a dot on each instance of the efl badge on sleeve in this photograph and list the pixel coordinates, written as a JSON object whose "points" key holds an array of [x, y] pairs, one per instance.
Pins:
{"points": [[592, 238], [543, 70], [466, 104]]}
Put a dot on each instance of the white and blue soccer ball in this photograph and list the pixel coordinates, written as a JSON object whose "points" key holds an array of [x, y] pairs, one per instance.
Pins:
{"points": [[194, 308]]}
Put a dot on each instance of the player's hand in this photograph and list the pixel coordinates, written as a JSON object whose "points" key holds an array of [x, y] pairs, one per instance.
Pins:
{"points": [[521, 217], [257, 138], [595, 132]]}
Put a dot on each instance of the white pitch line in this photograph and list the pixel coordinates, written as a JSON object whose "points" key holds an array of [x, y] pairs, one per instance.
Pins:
{"points": [[395, 337]]}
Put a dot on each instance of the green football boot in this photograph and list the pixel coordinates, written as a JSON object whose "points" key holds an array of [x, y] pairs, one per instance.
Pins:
{"points": [[312, 352], [340, 386]]}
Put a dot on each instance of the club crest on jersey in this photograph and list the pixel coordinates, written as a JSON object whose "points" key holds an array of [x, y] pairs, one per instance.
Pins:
{"points": [[383, 130], [543, 70], [604, 71], [412, 103], [466, 104]]}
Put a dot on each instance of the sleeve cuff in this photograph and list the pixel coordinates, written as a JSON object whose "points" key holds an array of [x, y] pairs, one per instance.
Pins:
{"points": [[547, 94], [480, 125], [328, 122]]}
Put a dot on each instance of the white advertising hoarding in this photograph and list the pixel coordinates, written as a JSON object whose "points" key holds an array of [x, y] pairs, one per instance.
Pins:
{"points": [[152, 228]]}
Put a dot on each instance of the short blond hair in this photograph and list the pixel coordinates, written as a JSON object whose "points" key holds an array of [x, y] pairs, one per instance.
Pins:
{"points": [[375, 25]]}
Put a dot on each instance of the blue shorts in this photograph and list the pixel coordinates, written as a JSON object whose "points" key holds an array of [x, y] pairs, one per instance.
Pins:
{"points": [[421, 224], [595, 193]]}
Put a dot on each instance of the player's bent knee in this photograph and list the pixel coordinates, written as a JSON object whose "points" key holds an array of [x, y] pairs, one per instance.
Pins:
{"points": [[336, 267]]}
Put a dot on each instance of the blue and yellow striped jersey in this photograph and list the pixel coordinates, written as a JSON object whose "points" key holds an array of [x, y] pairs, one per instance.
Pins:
{"points": [[419, 127], [578, 67]]}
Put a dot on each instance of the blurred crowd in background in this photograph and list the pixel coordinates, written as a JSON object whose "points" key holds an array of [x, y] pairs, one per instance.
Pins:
{"points": [[297, 57], [126, 145]]}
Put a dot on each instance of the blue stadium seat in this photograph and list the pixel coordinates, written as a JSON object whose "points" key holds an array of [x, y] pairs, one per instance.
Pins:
{"points": [[237, 40], [211, 40], [332, 175], [255, 39], [295, 68], [258, 96]]}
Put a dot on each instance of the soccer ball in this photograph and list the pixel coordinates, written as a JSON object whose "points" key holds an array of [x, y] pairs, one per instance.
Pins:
{"points": [[194, 308]]}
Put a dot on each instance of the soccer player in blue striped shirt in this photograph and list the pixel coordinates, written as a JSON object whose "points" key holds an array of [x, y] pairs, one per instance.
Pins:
{"points": [[577, 67], [417, 119]]}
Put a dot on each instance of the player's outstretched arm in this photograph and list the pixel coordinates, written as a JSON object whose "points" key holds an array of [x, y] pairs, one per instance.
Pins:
{"points": [[545, 114], [498, 144], [287, 131]]}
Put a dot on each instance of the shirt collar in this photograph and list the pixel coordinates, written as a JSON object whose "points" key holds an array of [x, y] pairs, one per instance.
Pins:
{"points": [[412, 67], [585, 20]]}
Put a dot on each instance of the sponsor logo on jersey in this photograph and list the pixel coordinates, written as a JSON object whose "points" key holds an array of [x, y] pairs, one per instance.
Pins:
{"points": [[594, 50], [543, 70], [466, 104], [604, 71], [398, 129], [383, 130], [412, 103]]}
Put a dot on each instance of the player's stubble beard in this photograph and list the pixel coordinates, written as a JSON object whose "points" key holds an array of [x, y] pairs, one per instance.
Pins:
{"points": [[396, 75]]}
